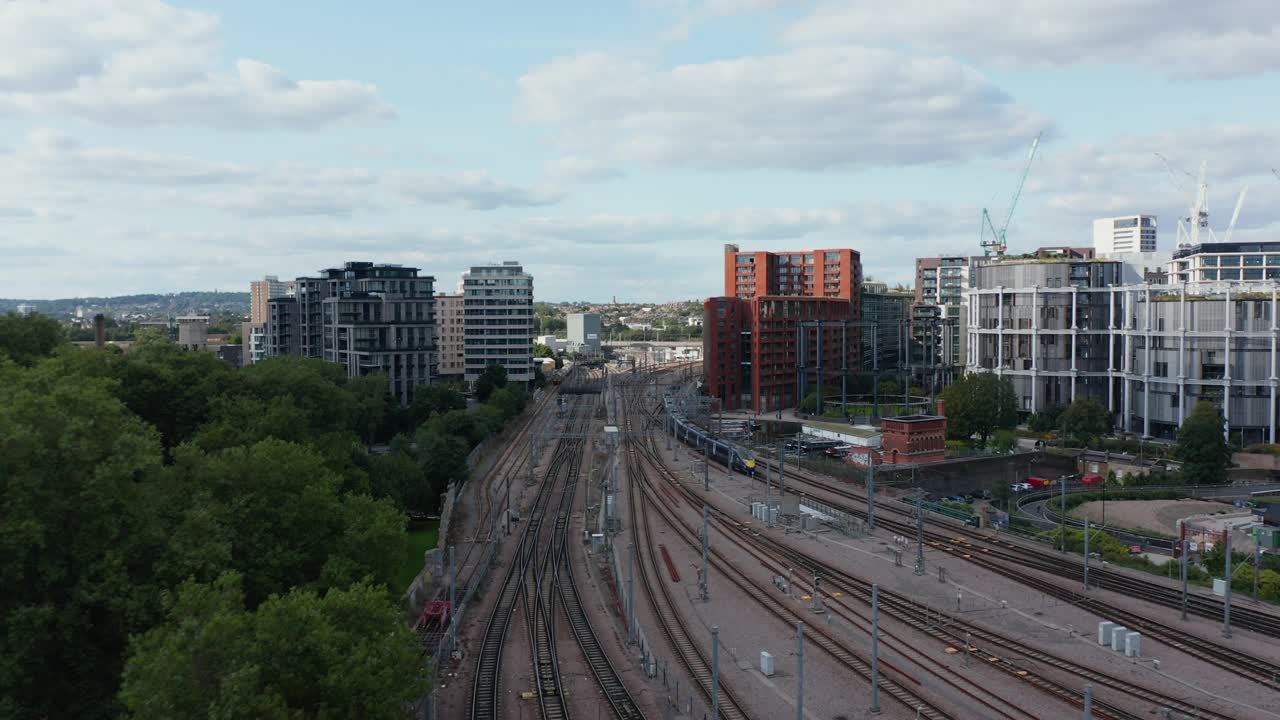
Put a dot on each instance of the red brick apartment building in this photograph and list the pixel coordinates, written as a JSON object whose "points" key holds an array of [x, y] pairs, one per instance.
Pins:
{"points": [[752, 334]]}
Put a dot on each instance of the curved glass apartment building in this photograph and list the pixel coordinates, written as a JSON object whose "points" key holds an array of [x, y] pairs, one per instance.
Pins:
{"points": [[1065, 329]]}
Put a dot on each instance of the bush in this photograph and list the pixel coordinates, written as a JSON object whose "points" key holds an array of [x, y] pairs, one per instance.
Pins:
{"points": [[1264, 449], [1004, 441]]}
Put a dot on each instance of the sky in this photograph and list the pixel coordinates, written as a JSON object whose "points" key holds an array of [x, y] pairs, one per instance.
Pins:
{"points": [[611, 147]]}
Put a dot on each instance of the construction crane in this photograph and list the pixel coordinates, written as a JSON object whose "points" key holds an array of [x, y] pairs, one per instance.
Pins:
{"points": [[1276, 173], [1235, 216], [998, 242]]}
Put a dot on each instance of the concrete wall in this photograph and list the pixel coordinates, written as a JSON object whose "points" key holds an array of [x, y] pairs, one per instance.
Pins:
{"points": [[966, 475]]}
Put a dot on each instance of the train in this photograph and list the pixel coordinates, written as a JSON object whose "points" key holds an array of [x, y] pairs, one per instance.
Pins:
{"points": [[741, 460]]}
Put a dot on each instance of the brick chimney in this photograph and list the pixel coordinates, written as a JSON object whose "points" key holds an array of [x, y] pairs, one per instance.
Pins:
{"points": [[99, 331], [942, 407]]}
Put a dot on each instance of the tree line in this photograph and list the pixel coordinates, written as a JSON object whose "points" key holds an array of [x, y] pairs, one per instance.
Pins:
{"points": [[983, 409], [182, 538]]}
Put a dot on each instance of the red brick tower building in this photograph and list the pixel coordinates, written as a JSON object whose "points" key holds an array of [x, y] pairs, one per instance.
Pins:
{"points": [[754, 343]]}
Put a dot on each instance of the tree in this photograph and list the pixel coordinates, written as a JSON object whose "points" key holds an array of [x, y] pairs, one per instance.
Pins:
{"points": [[1202, 448], [346, 653], [1004, 441], [1084, 422], [278, 510], [78, 538], [980, 403], [443, 459], [471, 427], [374, 406], [171, 388], [543, 351], [429, 400], [493, 378], [26, 339], [1046, 420]]}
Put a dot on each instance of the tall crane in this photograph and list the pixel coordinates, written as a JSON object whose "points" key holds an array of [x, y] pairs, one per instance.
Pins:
{"points": [[997, 243]]}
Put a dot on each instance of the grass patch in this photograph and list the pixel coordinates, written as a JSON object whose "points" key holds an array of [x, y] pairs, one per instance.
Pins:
{"points": [[422, 536], [1266, 499]]}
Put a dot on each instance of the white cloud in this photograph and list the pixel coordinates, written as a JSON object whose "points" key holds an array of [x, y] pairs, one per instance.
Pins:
{"points": [[475, 190], [145, 63], [1188, 38], [574, 168], [807, 109], [1124, 176], [55, 163]]}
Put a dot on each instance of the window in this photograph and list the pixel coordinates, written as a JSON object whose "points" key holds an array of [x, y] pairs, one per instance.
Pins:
{"points": [[1161, 369], [1209, 274], [1229, 261], [1124, 223], [1252, 260], [1253, 274], [1209, 261]]}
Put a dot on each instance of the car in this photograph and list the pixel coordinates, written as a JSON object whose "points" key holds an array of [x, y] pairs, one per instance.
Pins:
{"points": [[1015, 487], [983, 494], [955, 498]]}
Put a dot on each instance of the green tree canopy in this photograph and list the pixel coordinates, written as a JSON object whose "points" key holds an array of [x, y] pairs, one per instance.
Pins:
{"points": [[77, 541], [979, 403], [443, 459], [275, 513], [342, 654], [1202, 447], [429, 400], [1084, 422], [26, 339], [493, 378]]}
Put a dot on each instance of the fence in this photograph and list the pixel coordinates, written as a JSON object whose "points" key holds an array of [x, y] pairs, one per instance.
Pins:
{"points": [[425, 708], [832, 517], [653, 667]]}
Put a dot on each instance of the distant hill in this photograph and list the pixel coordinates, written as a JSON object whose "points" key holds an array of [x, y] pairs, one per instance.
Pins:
{"points": [[148, 303]]}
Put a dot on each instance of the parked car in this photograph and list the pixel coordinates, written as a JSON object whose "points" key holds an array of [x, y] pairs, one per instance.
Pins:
{"points": [[983, 494]]}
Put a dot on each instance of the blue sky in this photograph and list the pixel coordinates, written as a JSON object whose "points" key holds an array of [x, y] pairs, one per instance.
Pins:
{"points": [[611, 147]]}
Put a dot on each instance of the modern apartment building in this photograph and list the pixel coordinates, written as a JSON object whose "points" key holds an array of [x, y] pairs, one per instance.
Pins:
{"points": [[831, 273], [253, 339], [886, 330], [364, 316], [1127, 234], [938, 333], [450, 337], [1212, 262], [583, 332], [260, 291], [787, 322], [1064, 330], [767, 353], [283, 330], [498, 320]]}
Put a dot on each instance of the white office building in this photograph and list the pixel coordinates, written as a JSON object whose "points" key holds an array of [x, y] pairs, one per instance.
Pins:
{"points": [[583, 330], [1127, 234], [498, 320]]}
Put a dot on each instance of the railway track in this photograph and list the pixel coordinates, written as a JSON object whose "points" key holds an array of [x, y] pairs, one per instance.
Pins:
{"points": [[996, 556], [486, 681], [672, 623], [564, 586], [954, 632], [1065, 566]]}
